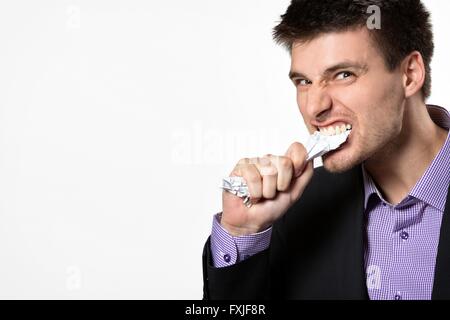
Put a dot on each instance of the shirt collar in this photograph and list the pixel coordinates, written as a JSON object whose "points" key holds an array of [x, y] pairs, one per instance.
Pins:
{"points": [[432, 187], [369, 187]]}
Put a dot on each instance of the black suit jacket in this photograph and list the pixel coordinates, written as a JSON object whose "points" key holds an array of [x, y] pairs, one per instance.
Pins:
{"points": [[316, 250]]}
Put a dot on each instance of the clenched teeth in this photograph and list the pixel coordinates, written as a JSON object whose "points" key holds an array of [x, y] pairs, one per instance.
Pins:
{"points": [[334, 130]]}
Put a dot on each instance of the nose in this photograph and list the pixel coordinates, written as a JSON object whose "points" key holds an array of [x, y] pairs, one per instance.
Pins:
{"points": [[316, 103]]}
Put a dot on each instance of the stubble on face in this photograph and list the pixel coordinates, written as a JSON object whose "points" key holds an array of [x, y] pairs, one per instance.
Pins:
{"points": [[376, 135], [373, 101]]}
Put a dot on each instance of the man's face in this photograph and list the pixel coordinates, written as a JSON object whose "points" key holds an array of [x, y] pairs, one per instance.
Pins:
{"points": [[341, 79]]}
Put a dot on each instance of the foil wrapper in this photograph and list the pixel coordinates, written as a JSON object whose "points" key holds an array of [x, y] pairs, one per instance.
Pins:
{"points": [[238, 187], [318, 145]]}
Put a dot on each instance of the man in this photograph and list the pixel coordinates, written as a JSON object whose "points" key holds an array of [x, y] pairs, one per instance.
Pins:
{"points": [[375, 221]]}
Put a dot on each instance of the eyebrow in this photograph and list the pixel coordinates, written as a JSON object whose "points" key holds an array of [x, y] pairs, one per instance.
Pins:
{"points": [[343, 65]]}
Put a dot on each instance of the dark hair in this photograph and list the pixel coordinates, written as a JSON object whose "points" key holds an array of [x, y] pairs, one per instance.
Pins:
{"points": [[405, 27]]}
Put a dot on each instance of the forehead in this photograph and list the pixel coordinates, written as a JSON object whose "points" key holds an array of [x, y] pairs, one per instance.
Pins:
{"points": [[332, 48]]}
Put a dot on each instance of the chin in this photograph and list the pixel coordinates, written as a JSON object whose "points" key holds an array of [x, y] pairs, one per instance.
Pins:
{"points": [[341, 160], [338, 166], [351, 154]]}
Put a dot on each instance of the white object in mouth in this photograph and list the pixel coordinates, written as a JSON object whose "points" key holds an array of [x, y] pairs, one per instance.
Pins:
{"points": [[319, 144]]}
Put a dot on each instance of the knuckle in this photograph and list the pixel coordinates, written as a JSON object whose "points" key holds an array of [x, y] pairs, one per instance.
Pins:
{"points": [[268, 171], [264, 161], [237, 171], [284, 163], [300, 147], [244, 161], [253, 178]]}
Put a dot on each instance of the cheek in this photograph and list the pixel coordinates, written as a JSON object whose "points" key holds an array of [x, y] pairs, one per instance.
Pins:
{"points": [[302, 99], [386, 103], [380, 121], [370, 100], [354, 96]]}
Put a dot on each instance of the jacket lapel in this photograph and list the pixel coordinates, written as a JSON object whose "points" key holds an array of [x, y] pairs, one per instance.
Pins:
{"points": [[354, 280], [441, 288]]}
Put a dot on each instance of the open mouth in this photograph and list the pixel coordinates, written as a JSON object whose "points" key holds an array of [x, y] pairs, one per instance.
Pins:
{"points": [[327, 139], [343, 145], [335, 129]]}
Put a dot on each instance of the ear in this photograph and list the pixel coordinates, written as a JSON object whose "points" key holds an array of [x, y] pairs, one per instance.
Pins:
{"points": [[413, 70]]}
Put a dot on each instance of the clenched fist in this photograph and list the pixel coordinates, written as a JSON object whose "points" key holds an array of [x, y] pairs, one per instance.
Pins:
{"points": [[274, 184]]}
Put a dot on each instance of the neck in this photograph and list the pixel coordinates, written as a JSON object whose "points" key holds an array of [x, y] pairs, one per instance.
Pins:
{"points": [[402, 163]]}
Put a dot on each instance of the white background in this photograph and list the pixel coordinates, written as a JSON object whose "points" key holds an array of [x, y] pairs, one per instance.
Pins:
{"points": [[118, 119]]}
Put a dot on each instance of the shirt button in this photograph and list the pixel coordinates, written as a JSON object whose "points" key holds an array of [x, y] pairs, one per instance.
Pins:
{"points": [[398, 297], [404, 235], [227, 258]]}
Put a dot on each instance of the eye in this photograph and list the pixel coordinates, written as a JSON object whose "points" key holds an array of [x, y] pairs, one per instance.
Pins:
{"points": [[302, 82], [344, 75]]}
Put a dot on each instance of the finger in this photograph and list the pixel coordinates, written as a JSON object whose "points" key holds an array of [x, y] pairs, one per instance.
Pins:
{"points": [[252, 177], [299, 184], [285, 170], [297, 153], [269, 177]]}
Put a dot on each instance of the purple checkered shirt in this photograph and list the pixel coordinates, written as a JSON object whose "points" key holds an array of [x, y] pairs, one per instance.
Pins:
{"points": [[402, 240]]}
